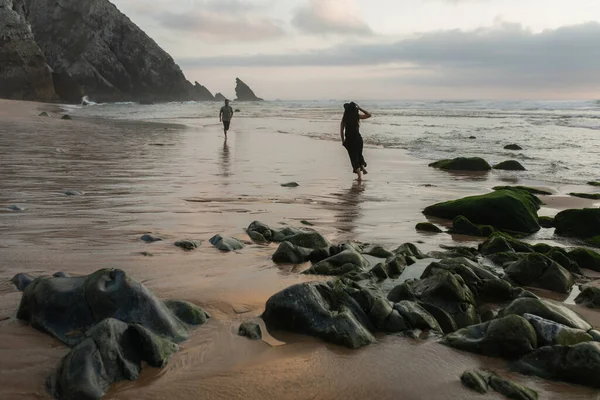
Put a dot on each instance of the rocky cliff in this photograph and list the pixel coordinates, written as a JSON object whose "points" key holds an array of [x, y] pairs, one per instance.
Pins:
{"points": [[219, 97], [243, 92], [93, 49], [24, 73]]}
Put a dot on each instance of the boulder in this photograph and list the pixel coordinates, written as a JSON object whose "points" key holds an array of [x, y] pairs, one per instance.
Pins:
{"points": [[551, 333], [427, 227], [378, 251], [225, 243], [463, 164], [250, 330], [409, 250], [502, 209], [589, 296], [523, 188], [510, 337], [578, 364], [510, 165], [187, 244], [66, 117], [187, 312], [481, 381], [243, 92], [288, 253], [305, 237], [512, 147], [546, 222], [591, 196], [583, 223], [594, 183], [219, 97], [21, 281], [24, 73], [586, 258], [14, 207], [416, 316], [561, 257], [67, 307], [502, 243], [109, 352], [150, 238], [540, 271], [463, 226], [475, 380], [322, 310], [43, 114], [290, 185], [340, 264], [546, 310]]}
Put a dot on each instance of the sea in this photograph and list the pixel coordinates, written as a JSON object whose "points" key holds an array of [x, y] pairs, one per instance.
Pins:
{"points": [[560, 139]]}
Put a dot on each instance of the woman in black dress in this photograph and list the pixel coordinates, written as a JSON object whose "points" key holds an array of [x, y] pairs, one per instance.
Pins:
{"points": [[351, 138]]}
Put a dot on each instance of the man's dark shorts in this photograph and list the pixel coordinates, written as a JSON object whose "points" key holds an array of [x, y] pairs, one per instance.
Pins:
{"points": [[226, 125]]}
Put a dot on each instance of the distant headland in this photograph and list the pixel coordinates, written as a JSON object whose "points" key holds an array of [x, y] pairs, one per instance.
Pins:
{"points": [[62, 52]]}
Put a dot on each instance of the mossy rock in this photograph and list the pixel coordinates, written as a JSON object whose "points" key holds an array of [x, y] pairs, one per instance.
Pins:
{"points": [[502, 209], [513, 147], [427, 227], [551, 333], [44, 114], [189, 313], [510, 165], [537, 270], [581, 223], [546, 310], [463, 164], [561, 257], [592, 196], [589, 297], [546, 222], [463, 226], [594, 183], [523, 188], [500, 242], [542, 248], [187, 244], [586, 258]]}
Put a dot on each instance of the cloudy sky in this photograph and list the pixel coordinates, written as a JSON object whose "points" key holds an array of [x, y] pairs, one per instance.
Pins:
{"points": [[382, 49]]}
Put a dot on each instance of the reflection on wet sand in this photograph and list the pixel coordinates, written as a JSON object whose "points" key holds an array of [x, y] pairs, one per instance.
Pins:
{"points": [[225, 163], [349, 207]]}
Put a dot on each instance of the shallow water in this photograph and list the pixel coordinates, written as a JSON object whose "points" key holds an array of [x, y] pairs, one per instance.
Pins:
{"points": [[182, 181]]}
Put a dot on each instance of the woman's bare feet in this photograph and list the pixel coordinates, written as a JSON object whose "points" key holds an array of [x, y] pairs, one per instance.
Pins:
{"points": [[364, 171], [358, 172]]}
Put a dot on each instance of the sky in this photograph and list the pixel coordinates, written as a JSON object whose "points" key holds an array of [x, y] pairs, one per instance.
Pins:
{"points": [[382, 49]]}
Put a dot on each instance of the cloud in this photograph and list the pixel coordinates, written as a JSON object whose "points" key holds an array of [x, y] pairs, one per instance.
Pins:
{"points": [[506, 54], [330, 17]]}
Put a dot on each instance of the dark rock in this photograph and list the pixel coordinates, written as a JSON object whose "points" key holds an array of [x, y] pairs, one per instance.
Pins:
{"points": [[379, 271], [546, 222], [73, 193], [44, 114], [523, 188], [475, 381], [250, 330], [592, 196], [551, 333], [199, 92], [462, 164], [225, 243], [321, 310], [21, 281], [187, 244], [586, 258], [187, 312], [583, 223], [509, 337], [220, 97], [561, 257], [416, 316], [61, 274], [542, 248], [481, 381], [401, 292], [307, 223], [66, 116], [257, 237], [237, 110], [305, 237], [409, 250], [463, 226], [340, 264], [540, 271], [15, 208], [510, 165], [67, 308], [146, 254], [427, 227], [589, 297], [150, 238], [243, 92], [378, 251], [472, 137], [578, 364], [308, 239], [546, 310], [595, 335], [503, 259], [109, 352], [512, 147], [594, 183], [67, 88], [24, 73], [502, 209], [444, 319], [395, 265], [288, 253], [502, 243], [290, 185]]}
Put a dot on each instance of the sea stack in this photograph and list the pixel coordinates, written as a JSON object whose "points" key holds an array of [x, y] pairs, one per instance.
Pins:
{"points": [[243, 92], [219, 97], [24, 73]]}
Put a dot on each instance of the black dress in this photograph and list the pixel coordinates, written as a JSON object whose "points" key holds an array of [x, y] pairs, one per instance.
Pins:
{"points": [[354, 145]]}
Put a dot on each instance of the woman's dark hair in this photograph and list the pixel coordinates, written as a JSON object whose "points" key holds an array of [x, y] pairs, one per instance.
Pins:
{"points": [[351, 118]]}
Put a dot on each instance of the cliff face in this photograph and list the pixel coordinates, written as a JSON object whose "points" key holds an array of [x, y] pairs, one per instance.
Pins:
{"points": [[201, 93], [97, 51], [24, 74], [243, 92]]}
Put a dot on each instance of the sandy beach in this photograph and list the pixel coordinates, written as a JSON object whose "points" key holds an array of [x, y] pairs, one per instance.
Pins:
{"points": [[129, 178]]}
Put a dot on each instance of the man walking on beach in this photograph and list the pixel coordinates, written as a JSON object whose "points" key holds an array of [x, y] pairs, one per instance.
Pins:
{"points": [[225, 116]]}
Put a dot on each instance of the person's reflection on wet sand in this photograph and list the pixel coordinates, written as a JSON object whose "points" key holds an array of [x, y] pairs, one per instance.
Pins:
{"points": [[349, 208], [225, 162]]}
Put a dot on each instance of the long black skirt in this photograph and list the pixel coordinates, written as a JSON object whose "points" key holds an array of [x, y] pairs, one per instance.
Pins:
{"points": [[354, 145]]}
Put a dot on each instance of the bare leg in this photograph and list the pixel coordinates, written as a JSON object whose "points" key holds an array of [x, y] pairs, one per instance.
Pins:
{"points": [[358, 172], [364, 171]]}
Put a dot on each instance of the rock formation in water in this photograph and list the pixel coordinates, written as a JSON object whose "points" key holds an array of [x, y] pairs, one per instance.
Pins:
{"points": [[219, 97], [24, 73], [243, 92], [92, 49]]}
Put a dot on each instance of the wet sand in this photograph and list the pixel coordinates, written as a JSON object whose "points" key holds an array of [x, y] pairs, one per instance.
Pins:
{"points": [[177, 182]]}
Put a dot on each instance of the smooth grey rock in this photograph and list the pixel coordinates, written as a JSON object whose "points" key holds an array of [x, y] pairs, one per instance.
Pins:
{"points": [[589, 296], [288, 253], [540, 271], [225, 243], [290, 185], [187, 244], [150, 238], [552, 333], [15, 208], [187, 312], [416, 316], [250, 330], [546, 310], [21, 281], [340, 264]]}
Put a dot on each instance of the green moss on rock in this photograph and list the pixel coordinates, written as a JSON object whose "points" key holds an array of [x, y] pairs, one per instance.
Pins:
{"points": [[510, 165], [462, 225], [592, 196], [581, 223], [586, 258], [502, 209], [463, 164], [427, 227], [523, 188]]}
